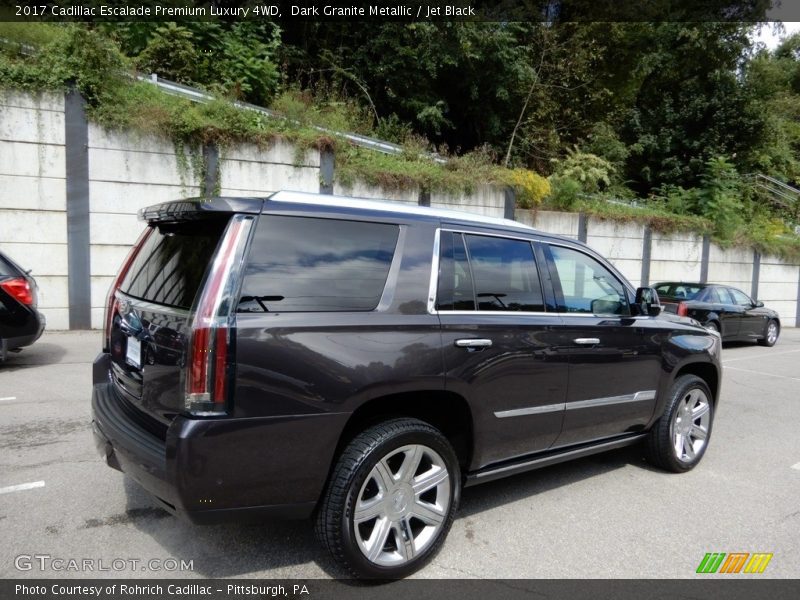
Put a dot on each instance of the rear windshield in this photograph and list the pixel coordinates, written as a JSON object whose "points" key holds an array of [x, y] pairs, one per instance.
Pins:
{"points": [[7, 267], [303, 264], [170, 266], [680, 291]]}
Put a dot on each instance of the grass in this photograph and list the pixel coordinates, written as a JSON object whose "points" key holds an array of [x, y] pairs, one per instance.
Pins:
{"points": [[657, 219]]}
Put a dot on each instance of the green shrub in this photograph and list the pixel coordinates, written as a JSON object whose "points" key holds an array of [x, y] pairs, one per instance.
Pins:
{"points": [[564, 193], [720, 198], [591, 172]]}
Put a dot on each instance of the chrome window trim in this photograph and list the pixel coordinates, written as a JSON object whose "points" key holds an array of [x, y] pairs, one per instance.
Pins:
{"points": [[434, 282], [497, 235]]}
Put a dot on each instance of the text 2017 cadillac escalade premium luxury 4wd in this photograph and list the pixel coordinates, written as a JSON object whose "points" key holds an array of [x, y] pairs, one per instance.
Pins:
{"points": [[361, 362]]}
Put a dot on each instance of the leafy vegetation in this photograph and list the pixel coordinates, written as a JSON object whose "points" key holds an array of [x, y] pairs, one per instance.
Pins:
{"points": [[665, 123]]}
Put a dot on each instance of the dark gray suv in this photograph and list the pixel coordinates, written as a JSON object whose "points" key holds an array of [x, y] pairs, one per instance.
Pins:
{"points": [[361, 362]]}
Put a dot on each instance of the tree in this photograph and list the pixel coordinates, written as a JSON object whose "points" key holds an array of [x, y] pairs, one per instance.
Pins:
{"points": [[692, 105]]}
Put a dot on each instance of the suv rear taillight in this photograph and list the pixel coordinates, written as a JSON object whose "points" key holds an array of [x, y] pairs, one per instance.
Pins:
{"points": [[111, 298], [19, 289], [683, 309], [210, 341]]}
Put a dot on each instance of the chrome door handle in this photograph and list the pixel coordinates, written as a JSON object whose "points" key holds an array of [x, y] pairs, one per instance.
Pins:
{"points": [[587, 341], [473, 343]]}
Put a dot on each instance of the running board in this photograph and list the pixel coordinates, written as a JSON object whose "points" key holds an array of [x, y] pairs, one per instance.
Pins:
{"points": [[492, 473]]}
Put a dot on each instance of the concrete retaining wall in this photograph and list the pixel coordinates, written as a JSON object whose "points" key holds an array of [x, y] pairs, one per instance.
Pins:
{"points": [[128, 171], [33, 218]]}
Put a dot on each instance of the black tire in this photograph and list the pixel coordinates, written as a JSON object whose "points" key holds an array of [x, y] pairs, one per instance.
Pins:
{"points": [[661, 448], [765, 340], [714, 325], [335, 527]]}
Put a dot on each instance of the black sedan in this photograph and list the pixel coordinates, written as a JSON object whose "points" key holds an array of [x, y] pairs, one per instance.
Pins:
{"points": [[20, 323], [728, 310]]}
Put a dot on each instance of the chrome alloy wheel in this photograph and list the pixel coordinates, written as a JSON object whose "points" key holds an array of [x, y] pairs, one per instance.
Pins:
{"points": [[402, 505], [772, 333], [690, 423]]}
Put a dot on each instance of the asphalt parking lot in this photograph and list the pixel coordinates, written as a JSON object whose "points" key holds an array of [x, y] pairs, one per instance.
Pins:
{"points": [[609, 515]]}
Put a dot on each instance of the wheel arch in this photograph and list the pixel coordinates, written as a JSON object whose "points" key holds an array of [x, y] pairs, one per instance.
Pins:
{"points": [[449, 412], [706, 371]]}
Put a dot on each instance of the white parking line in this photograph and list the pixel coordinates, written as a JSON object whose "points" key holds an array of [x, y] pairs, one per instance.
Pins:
{"points": [[762, 355], [762, 373], [796, 467], [21, 487], [8, 398]]}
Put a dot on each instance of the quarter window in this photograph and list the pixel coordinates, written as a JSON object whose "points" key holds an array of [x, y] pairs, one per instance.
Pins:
{"points": [[301, 264], [587, 286]]}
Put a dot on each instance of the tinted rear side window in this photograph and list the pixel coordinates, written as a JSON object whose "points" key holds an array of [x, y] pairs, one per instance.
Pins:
{"points": [[505, 274], [170, 266], [456, 291], [490, 273], [301, 264], [712, 296]]}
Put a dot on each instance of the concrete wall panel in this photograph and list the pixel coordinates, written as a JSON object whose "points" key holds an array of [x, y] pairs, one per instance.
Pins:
{"points": [[279, 152], [127, 198], [32, 193], [246, 175], [31, 125], [32, 160], [364, 190]]}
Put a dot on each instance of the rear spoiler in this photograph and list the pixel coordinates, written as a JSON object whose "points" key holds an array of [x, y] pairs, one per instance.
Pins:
{"points": [[199, 208]]}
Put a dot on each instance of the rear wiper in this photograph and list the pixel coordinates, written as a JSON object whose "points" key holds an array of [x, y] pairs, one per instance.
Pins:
{"points": [[261, 300]]}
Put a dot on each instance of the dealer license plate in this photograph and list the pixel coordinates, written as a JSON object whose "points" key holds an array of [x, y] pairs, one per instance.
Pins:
{"points": [[134, 353]]}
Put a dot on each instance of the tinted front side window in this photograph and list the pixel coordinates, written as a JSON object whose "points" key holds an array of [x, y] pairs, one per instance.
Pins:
{"points": [[588, 286], [170, 266], [300, 264], [740, 297]]}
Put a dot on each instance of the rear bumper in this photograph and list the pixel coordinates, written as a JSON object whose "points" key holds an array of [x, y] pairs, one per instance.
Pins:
{"points": [[217, 470], [26, 333]]}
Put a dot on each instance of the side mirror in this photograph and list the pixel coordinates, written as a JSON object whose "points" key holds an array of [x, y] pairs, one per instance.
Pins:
{"points": [[759, 304], [647, 302]]}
